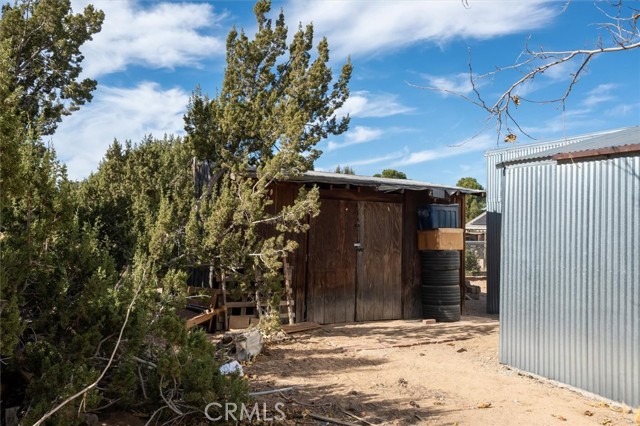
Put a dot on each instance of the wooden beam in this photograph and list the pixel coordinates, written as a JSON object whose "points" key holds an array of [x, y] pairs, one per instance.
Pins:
{"points": [[612, 150], [360, 195]]}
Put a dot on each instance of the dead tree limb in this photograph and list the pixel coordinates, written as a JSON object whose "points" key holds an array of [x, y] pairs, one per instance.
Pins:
{"points": [[106, 368], [623, 35]]}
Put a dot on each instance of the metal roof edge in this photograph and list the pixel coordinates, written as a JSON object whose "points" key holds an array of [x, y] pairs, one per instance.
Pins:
{"points": [[572, 139], [379, 183], [573, 151]]}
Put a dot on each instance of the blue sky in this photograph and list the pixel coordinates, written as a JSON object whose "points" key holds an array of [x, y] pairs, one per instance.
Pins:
{"points": [[150, 56]]}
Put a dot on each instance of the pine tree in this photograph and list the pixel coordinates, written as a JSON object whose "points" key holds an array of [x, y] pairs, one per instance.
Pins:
{"points": [[474, 204], [391, 174], [276, 103], [65, 281]]}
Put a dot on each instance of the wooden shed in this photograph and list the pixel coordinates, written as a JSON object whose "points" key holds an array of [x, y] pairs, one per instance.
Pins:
{"points": [[359, 261]]}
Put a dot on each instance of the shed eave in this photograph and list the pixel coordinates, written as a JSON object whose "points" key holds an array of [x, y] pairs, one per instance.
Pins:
{"points": [[379, 184]]}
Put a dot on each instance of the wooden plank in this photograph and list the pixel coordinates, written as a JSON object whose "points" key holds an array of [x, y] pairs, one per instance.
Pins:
{"points": [[250, 304], [300, 327], [612, 150], [331, 264], [359, 194], [285, 194], [379, 294], [239, 321], [411, 299]]}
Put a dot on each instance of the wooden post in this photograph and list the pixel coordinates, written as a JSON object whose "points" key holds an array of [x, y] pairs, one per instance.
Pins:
{"points": [[288, 272], [258, 277], [223, 285], [462, 199]]}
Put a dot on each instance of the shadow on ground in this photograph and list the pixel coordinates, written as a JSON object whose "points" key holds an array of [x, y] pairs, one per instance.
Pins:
{"points": [[334, 353]]}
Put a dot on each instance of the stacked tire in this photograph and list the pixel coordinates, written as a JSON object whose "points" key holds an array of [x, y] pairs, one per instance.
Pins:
{"points": [[440, 284]]}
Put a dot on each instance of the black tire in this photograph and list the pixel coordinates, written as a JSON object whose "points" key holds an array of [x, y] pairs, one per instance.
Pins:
{"points": [[441, 278], [440, 260], [441, 295], [441, 313]]}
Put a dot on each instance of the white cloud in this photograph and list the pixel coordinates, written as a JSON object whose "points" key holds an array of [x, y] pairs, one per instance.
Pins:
{"points": [[375, 160], [456, 83], [360, 134], [480, 143], [598, 95], [82, 139], [366, 104], [162, 35], [561, 72], [365, 28], [623, 109]]}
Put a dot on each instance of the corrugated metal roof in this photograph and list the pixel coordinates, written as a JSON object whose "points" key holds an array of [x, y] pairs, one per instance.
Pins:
{"points": [[623, 137], [478, 221], [380, 184]]}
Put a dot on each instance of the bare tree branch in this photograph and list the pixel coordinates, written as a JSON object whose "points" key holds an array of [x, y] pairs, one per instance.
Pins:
{"points": [[624, 35], [104, 371]]}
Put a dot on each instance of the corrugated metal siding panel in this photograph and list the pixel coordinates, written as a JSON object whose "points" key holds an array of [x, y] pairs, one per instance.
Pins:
{"points": [[570, 307], [494, 210]]}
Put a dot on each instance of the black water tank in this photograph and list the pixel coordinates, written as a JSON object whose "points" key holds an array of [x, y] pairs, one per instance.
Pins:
{"points": [[440, 284]]}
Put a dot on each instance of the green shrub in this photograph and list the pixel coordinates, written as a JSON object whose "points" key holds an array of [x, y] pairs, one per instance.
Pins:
{"points": [[471, 263]]}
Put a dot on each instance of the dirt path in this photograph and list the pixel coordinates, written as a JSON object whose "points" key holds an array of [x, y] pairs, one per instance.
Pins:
{"points": [[411, 373]]}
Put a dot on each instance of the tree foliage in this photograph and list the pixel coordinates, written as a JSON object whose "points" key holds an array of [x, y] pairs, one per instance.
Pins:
{"points": [[41, 55], [83, 263], [276, 103], [74, 255], [391, 174], [346, 170], [475, 204], [471, 262]]}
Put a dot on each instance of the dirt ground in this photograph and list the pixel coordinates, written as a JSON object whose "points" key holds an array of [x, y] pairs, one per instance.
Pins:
{"points": [[412, 373]]}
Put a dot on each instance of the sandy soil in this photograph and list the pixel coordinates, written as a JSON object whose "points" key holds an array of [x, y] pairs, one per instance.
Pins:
{"points": [[412, 373]]}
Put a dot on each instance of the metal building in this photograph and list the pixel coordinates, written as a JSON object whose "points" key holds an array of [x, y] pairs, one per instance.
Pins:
{"points": [[570, 264], [494, 204]]}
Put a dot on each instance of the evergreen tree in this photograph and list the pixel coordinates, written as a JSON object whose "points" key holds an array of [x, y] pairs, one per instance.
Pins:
{"points": [[391, 174], [475, 204], [276, 103], [347, 170], [66, 283]]}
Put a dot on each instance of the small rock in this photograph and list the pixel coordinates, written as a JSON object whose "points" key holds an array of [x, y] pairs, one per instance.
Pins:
{"points": [[91, 419]]}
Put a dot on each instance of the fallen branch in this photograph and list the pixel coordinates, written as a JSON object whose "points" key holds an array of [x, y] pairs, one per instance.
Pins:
{"points": [[267, 392], [154, 414], [113, 354], [330, 420], [359, 418]]}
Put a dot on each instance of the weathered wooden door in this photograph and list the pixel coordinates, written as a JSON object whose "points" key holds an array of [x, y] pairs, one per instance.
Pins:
{"points": [[379, 273], [331, 268], [354, 268]]}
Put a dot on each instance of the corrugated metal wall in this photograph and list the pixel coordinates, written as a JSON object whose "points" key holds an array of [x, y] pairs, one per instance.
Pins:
{"points": [[570, 307], [494, 209]]}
